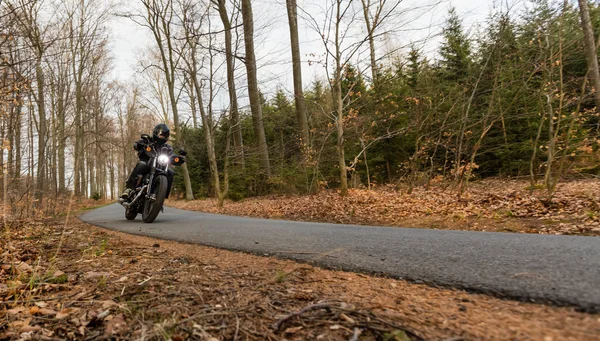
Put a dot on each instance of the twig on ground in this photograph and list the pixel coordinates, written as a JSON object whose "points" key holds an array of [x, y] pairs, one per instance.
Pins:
{"points": [[357, 333], [237, 327], [283, 320], [144, 281]]}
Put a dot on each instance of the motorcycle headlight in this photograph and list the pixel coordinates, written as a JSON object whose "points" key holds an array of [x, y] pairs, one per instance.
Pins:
{"points": [[163, 159]]}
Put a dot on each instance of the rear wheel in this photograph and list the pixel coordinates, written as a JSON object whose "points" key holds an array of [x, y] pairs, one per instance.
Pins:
{"points": [[154, 203]]}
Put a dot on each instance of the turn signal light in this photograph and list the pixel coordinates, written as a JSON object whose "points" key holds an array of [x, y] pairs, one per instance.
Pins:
{"points": [[148, 149], [176, 159]]}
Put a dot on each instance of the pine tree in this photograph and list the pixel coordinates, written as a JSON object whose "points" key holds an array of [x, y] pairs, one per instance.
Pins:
{"points": [[455, 51], [414, 67]]}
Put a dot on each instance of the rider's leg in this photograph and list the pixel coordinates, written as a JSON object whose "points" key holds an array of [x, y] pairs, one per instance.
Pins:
{"points": [[140, 168]]}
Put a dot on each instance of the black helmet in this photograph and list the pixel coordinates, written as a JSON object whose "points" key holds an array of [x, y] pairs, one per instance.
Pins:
{"points": [[161, 134]]}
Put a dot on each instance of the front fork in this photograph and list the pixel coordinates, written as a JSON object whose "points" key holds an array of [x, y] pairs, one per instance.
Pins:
{"points": [[149, 194]]}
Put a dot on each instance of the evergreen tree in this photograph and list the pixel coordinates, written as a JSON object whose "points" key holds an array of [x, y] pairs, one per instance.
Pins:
{"points": [[414, 66], [455, 51]]}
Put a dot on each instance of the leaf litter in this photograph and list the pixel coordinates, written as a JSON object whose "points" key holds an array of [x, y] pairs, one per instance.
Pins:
{"points": [[120, 286], [495, 205]]}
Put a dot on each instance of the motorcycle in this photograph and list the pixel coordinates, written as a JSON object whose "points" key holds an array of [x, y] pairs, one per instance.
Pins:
{"points": [[150, 193]]}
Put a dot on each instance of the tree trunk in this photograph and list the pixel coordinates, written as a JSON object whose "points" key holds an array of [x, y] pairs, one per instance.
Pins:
{"points": [[61, 139], [590, 50], [190, 86], [253, 92], [370, 31], [297, 70], [15, 152], [41, 104], [31, 152], [17, 142], [233, 105], [77, 69], [54, 145], [113, 179], [210, 145], [339, 105]]}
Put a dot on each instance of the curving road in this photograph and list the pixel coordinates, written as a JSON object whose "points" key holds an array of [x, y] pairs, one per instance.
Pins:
{"points": [[561, 270]]}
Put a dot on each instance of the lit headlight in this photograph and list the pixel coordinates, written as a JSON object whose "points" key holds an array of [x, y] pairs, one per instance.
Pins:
{"points": [[163, 159]]}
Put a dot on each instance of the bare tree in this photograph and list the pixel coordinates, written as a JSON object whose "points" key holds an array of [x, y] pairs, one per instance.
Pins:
{"points": [[338, 53], [374, 14], [192, 22], [86, 20], [233, 104], [591, 54], [253, 92], [27, 15], [297, 69]]}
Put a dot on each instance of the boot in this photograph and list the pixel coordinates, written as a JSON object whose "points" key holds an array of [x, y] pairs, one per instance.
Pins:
{"points": [[126, 194]]}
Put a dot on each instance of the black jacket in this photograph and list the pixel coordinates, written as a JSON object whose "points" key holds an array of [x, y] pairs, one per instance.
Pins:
{"points": [[141, 144]]}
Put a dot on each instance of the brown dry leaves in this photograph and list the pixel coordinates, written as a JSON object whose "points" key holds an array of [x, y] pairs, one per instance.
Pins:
{"points": [[112, 285], [490, 205], [38, 299]]}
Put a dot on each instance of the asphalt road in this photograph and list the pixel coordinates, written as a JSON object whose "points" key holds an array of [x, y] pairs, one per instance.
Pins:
{"points": [[560, 270]]}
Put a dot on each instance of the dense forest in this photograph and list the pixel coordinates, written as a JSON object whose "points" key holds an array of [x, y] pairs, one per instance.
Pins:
{"points": [[515, 97]]}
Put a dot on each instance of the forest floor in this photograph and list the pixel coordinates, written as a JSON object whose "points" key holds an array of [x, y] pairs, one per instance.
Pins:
{"points": [[77, 281], [490, 205], [81, 282]]}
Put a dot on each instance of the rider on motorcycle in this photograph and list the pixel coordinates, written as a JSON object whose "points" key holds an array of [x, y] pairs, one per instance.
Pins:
{"points": [[160, 137]]}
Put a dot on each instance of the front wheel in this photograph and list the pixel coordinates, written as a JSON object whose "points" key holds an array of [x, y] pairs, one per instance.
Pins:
{"points": [[154, 202]]}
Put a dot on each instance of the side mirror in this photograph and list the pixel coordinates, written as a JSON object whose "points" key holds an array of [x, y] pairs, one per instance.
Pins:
{"points": [[182, 152], [145, 137]]}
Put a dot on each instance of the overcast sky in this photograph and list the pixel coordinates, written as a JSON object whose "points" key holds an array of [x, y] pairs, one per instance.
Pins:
{"points": [[129, 41]]}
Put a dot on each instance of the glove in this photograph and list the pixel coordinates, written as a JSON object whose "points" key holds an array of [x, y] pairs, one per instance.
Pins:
{"points": [[138, 146]]}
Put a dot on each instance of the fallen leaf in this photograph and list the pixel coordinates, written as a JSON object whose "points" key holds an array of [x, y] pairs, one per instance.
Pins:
{"points": [[102, 315], [47, 333], [14, 283], [95, 274], [109, 303], [16, 324], [57, 273], [80, 295], [17, 310], [24, 267], [44, 311], [28, 329], [65, 312], [26, 322], [116, 326]]}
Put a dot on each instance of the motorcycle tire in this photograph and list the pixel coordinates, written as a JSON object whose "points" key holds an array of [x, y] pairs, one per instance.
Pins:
{"points": [[130, 214], [151, 209]]}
